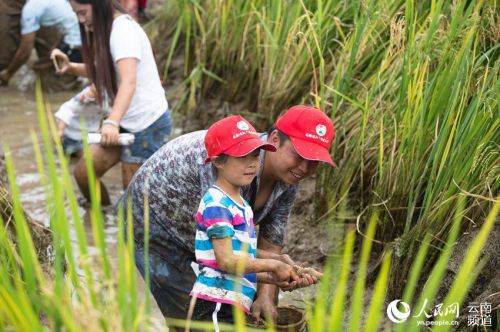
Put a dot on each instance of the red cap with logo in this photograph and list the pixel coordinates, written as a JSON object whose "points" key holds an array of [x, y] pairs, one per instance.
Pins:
{"points": [[233, 136], [310, 130]]}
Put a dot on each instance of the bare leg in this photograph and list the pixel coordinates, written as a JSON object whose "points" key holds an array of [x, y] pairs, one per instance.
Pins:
{"points": [[128, 171], [103, 159], [77, 155]]}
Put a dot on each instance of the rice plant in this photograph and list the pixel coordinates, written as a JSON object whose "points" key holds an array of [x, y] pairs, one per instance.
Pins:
{"points": [[412, 87]]}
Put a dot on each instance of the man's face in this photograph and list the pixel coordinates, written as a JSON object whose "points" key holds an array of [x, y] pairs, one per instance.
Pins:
{"points": [[287, 165]]}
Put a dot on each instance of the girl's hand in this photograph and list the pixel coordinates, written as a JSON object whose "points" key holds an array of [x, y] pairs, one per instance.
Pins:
{"points": [[304, 281], [285, 272], [109, 135], [61, 61]]}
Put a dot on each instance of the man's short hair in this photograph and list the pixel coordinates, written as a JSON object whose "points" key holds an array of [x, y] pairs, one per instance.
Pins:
{"points": [[281, 135]]}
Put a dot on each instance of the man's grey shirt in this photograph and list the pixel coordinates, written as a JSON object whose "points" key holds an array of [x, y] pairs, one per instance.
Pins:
{"points": [[172, 183]]}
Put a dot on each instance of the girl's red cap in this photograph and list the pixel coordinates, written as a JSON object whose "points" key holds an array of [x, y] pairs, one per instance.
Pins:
{"points": [[233, 136]]}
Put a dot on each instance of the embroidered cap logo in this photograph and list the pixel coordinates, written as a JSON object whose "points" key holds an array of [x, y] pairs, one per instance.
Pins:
{"points": [[321, 130], [242, 125]]}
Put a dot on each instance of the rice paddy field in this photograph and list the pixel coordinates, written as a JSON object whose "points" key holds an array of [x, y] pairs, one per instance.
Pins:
{"points": [[411, 210]]}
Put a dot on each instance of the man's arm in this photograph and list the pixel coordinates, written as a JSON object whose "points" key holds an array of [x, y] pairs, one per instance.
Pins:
{"points": [[22, 55]]}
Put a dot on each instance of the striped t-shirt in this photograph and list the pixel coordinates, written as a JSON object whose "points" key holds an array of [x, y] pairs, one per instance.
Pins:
{"points": [[218, 216]]}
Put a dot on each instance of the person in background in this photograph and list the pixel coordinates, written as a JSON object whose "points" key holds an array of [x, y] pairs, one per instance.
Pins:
{"points": [[136, 9], [10, 26], [141, 10], [45, 13], [119, 61], [226, 242]]}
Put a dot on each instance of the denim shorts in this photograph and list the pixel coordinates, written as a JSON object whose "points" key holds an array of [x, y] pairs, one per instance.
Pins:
{"points": [[148, 141], [71, 146]]}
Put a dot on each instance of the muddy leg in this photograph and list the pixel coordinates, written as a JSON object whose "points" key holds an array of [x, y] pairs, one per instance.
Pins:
{"points": [[128, 171], [103, 159]]}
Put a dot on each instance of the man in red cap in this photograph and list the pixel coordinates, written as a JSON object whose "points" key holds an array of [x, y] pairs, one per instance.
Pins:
{"points": [[175, 177]]}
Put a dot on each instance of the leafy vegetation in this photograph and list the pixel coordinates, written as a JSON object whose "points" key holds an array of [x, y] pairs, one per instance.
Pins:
{"points": [[412, 87]]}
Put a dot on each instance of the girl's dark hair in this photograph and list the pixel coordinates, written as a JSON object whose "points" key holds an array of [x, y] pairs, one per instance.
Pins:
{"points": [[221, 159], [96, 49]]}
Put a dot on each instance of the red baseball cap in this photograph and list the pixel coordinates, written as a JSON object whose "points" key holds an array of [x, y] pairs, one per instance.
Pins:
{"points": [[233, 136], [310, 130]]}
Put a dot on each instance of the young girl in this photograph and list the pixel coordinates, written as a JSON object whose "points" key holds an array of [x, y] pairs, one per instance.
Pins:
{"points": [[119, 61], [226, 244]]}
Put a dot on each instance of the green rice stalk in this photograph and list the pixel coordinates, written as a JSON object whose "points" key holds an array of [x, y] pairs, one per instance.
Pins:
{"points": [[375, 310]]}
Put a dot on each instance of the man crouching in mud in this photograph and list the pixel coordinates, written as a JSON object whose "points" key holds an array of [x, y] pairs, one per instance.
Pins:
{"points": [[172, 181]]}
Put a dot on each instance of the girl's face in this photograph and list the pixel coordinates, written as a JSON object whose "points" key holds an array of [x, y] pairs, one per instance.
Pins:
{"points": [[83, 13], [239, 171]]}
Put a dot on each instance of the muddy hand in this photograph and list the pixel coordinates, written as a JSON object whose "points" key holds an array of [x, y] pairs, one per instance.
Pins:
{"points": [[264, 308], [61, 126], [307, 271], [302, 282], [307, 277], [61, 61], [285, 272], [110, 135]]}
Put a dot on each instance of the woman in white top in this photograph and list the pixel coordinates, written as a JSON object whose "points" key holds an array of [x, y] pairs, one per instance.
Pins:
{"points": [[119, 61]]}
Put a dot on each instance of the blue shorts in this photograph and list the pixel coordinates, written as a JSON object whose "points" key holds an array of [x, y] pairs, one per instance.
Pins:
{"points": [[148, 141], [71, 146]]}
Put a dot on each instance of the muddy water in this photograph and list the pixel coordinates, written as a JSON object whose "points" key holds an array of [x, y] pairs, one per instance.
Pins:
{"points": [[18, 117]]}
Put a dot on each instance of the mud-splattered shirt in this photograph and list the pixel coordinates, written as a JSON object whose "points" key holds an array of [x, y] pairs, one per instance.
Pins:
{"points": [[219, 216], [172, 182]]}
